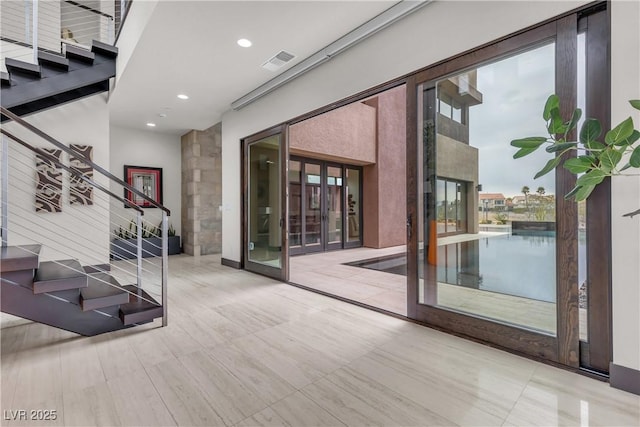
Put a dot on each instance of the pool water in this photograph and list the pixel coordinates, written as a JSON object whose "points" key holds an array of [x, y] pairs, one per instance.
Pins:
{"points": [[519, 265]]}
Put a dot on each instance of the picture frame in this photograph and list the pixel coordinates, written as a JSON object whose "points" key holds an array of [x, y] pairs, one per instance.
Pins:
{"points": [[147, 180]]}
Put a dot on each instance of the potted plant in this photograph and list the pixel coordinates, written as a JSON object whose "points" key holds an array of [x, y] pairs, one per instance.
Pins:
{"points": [[124, 245]]}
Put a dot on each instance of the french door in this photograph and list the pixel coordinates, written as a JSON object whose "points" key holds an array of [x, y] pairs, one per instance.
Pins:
{"points": [[509, 274], [324, 200], [265, 247]]}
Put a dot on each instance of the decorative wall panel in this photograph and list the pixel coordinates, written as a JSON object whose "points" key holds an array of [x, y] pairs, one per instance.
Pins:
{"points": [[80, 192], [48, 182]]}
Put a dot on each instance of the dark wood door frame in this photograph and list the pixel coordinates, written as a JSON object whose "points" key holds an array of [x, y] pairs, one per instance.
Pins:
{"points": [[564, 349]]}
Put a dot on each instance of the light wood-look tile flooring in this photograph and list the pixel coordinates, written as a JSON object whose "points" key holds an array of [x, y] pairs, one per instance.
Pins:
{"points": [[244, 350]]}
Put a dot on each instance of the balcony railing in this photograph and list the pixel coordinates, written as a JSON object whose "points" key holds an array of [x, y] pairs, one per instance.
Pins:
{"points": [[31, 25]]}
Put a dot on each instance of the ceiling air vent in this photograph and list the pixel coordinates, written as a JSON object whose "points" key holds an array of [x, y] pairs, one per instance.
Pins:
{"points": [[278, 60]]}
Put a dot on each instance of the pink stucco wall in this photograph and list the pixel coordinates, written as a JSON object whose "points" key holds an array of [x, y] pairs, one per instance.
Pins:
{"points": [[370, 133], [384, 221], [346, 134]]}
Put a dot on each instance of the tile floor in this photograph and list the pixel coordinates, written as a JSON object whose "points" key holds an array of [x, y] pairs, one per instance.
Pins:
{"points": [[244, 350]]}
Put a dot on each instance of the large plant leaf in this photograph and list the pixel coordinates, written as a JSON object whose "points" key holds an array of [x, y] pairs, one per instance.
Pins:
{"points": [[551, 165], [593, 177], [580, 164], [634, 160], [595, 146], [583, 192], [553, 103], [609, 159], [635, 135], [556, 125], [620, 132], [559, 146], [524, 152], [635, 103], [591, 130], [530, 142], [575, 118]]}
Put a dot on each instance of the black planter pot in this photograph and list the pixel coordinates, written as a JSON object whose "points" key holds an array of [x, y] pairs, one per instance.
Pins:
{"points": [[151, 246]]}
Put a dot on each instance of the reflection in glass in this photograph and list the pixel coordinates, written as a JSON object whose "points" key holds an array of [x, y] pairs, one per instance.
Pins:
{"points": [[295, 204], [582, 206], [353, 204], [334, 204], [494, 250], [264, 202], [313, 202]]}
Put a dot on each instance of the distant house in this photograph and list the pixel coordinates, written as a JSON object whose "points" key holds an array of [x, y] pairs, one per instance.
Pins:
{"points": [[518, 201], [492, 201]]}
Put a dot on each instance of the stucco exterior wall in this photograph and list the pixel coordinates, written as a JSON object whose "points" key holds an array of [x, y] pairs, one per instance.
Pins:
{"points": [[346, 135], [386, 226]]}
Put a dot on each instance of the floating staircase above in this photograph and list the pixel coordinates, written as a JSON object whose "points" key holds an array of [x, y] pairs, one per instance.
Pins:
{"points": [[62, 294], [56, 79]]}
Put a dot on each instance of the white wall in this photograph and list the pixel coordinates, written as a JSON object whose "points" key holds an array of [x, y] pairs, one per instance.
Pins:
{"points": [[137, 19], [152, 149], [434, 33], [625, 78], [80, 232]]}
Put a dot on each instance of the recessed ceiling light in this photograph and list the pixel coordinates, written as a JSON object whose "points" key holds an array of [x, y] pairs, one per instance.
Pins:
{"points": [[151, 125], [244, 43], [163, 115], [183, 96]]}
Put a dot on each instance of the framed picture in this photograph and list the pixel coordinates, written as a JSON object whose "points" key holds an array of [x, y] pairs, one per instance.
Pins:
{"points": [[146, 180]]}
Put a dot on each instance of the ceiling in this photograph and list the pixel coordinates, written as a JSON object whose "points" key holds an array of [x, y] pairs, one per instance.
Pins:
{"points": [[190, 47]]}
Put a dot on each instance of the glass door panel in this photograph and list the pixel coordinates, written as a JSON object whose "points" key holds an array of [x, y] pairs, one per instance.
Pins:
{"points": [[334, 217], [265, 238], [313, 207], [354, 201], [295, 206], [485, 265], [264, 202]]}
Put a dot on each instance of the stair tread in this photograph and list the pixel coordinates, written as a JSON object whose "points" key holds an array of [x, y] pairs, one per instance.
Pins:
{"points": [[51, 59], [22, 67], [97, 288], [138, 310], [16, 258], [59, 270], [104, 49], [78, 53], [6, 79], [102, 290]]}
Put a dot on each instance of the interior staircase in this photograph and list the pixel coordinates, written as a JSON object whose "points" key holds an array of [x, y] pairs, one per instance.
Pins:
{"points": [[56, 79], [66, 295]]}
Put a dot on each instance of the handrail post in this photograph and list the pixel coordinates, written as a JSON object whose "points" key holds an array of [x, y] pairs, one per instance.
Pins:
{"points": [[139, 251], [5, 191], [165, 265], [34, 30]]}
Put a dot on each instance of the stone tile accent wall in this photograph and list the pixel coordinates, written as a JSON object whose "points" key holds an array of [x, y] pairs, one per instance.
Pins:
{"points": [[202, 191]]}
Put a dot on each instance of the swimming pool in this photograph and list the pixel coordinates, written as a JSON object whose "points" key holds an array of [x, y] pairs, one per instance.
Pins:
{"points": [[519, 265]]}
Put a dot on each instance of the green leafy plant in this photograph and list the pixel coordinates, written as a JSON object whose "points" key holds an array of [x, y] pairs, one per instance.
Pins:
{"points": [[147, 231], [595, 158], [501, 218]]}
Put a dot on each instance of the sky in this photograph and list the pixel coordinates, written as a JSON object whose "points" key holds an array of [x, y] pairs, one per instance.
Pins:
{"points": [[514, 92]]}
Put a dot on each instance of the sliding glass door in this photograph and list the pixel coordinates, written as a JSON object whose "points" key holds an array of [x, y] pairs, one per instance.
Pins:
{"points": [[265, 237], [493, 253]]}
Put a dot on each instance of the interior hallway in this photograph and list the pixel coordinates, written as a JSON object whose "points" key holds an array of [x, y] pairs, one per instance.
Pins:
{"points": [[241, 349]]}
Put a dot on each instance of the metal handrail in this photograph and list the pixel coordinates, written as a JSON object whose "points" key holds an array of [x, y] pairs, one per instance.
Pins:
{"points": [[72, 171], [73, 152]]}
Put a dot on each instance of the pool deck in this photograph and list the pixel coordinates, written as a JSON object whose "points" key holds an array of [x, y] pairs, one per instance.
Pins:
{"points": [[326, 272]]}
